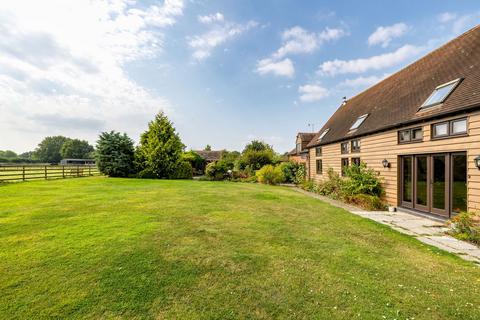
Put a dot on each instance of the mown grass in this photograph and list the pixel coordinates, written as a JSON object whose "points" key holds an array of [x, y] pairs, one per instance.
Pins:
{"points": [[123, 249]]}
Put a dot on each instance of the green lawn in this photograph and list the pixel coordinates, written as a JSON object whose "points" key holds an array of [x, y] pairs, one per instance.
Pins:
{"points": [[123, 249]]}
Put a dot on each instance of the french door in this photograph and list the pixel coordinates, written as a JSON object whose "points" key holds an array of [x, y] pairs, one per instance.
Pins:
{"points": [[434, 183]]}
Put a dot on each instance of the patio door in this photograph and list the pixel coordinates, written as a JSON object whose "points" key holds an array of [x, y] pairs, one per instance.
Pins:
{"points": [[434, 183]]}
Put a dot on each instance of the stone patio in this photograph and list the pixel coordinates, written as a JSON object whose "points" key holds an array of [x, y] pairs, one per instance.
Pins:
{"points": [[426, 230]]}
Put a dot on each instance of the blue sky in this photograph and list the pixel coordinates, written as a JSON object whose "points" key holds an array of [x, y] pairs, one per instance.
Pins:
{"points": [[225, 72]]}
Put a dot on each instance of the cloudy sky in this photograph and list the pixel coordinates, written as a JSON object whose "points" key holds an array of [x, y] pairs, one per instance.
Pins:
{"points": [[224, 71]]}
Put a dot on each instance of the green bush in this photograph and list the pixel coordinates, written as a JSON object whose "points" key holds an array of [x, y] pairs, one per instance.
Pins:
{"points": [[361, 180], [332, 186], [183, 170], [300, 175], [366, 201], [290, 169], [195, 160], [360, 187], [115, 154], [270, 175], [466, 226], [218, 170]]}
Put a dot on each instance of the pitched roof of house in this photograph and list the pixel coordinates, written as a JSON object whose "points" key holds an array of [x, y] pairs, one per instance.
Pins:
{"points": [[396, 100], [306, 136], [210, 155]]}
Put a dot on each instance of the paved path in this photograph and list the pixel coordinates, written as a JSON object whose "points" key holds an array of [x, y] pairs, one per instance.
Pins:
{"points": [[424, 229]]}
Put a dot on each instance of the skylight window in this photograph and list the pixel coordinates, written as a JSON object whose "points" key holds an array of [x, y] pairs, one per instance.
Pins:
{"points": [[440, 94], [359, 122], [324, 133]]}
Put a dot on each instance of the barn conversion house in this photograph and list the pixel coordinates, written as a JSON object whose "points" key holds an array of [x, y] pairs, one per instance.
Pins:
{"points": [[419, 128]]}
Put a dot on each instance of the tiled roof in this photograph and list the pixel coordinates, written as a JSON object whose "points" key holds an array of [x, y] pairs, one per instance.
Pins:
{"points": [[396, 100], [210, 155]]}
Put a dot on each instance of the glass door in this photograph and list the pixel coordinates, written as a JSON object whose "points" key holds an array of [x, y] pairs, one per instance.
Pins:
{"points": [[422, 169], [459, 182], [407, 181], [439, 184]]}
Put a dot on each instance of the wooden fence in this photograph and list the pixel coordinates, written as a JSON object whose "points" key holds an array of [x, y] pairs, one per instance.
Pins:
{"points": [[20, 172]]}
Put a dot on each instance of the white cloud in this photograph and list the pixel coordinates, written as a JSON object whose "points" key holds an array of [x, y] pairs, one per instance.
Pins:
{"points": [[312, 92], [204, 44], [216, 17], [62, 67], [384, 35], [334, 67], [446, 17], [298, 40], [280, 68], [362, 82], [465, 22], [295, 40]]}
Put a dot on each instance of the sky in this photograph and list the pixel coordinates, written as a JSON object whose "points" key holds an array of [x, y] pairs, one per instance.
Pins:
{"points": [[225, 72]]}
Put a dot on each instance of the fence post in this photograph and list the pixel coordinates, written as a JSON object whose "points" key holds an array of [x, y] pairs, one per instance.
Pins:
{"points": [[63, 172], [78, 171], [89, 174], [46, 173], [23, 173]]}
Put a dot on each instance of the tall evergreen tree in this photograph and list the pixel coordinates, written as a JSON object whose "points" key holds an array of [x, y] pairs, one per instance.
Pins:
{"points": [[160, 150]]}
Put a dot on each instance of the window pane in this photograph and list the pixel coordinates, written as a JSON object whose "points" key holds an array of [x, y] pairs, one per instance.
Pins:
{"points": [[439, 182], [440, 129], [439, 95], [459, 179], [422, 181], [459, 126], [356, 161], [407, 179], [417, 134], [405, 136], [318, 151], [359, 122], [319, 166]]}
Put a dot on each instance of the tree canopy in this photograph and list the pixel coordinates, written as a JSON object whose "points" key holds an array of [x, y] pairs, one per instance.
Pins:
{"points": [[76, 149], [160, 151], [115, 154], [49, 149]]}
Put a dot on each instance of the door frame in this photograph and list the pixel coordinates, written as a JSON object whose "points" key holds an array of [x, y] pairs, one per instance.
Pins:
{"points": [[447, 212]]}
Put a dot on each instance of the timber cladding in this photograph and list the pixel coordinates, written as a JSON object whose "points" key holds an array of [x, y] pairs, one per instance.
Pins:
{"points": [[376, 147]]}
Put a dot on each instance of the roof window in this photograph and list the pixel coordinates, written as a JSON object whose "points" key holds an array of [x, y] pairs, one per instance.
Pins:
{"points": [[440, 94], [324, 133], [358, 122]]}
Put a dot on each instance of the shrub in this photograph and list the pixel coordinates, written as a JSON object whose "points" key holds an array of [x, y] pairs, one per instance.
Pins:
{"points": [[115, 154], [270, 175], [361, 180], [195, 160], [218, 170], [300, 175], [465, 226], [332, 186], [290, 170], [310, 186], [366, 201], [183, 170]]}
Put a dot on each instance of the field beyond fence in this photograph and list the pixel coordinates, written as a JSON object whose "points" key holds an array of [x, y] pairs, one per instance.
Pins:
{"points": [[24, 172]]}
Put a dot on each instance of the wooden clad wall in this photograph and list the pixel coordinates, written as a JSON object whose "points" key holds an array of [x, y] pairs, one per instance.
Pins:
{"points": [[385, 145]]}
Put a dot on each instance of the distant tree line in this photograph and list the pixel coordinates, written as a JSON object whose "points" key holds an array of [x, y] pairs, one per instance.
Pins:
{"points": [[52, 150]]}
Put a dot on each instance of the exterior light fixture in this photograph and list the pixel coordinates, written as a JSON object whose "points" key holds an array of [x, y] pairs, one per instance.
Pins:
{"points": [[477, 162], [386, 164]]}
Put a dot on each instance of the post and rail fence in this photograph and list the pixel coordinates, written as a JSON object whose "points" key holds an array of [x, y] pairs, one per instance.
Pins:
{"points": [[25, 172]]}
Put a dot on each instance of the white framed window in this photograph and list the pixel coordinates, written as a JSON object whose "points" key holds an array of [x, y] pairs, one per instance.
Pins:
{"points": [[358, 122], [440, 93], [324, 133]]}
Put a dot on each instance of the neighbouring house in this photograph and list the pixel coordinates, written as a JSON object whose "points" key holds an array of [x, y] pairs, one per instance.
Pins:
{"points": [[209, 157], [300, 153], [419, 128]]}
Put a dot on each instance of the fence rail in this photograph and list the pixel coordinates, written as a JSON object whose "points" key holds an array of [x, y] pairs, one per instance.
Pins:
{"points": [[15, 172]]}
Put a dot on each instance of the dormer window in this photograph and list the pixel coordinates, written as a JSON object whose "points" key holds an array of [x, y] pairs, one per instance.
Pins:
{"points": [[358, 122], [324, 133], [440, 94]]}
